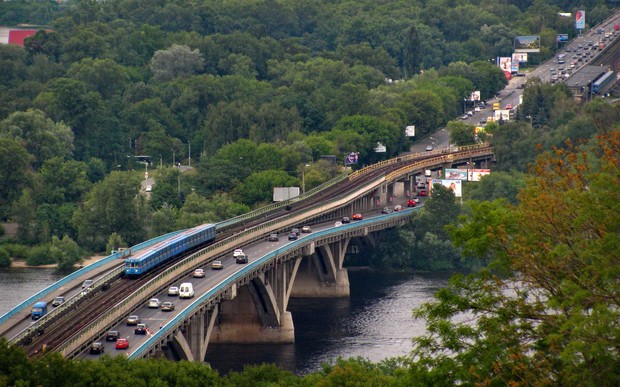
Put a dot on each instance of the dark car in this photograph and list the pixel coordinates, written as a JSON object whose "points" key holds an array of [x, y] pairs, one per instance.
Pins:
{"points": [[273, 238], [292, 236], [96, 348], [241, 259], [112, 336], [346, 219], [167, 306], [295, 231], [140, 329]]}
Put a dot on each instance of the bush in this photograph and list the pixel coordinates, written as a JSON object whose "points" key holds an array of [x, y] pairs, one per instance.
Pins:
{"points": [[16, 251], [40, 255], [5, 259], [1, 230]]}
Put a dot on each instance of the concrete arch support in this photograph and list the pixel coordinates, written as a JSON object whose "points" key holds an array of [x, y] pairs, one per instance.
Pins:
{"points": [[322, 275]]}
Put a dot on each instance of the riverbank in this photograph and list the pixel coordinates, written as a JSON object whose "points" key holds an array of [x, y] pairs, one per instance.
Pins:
{"points": [[22, 264]]}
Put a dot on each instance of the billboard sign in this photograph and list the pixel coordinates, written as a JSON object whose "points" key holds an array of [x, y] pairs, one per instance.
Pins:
{"points": [[454, 185], [476, 174], [281, 194], [580, 19], [475, 96], [514, 67], [504, 63], [380, 148], [529, 43], [410, 131], [502, 115], [351, 158], [562, 38], [456, 174], [519, 57]]}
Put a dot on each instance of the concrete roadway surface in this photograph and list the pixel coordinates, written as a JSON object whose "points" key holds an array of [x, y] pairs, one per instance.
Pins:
{"points": [[153, 317]]}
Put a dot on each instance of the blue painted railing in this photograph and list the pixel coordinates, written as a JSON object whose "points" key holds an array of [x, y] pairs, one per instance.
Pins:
{"points": [[222, 286], [78, 273]]}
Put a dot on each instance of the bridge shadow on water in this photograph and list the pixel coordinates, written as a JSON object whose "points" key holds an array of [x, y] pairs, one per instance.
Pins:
{"points": [[375, 323]]}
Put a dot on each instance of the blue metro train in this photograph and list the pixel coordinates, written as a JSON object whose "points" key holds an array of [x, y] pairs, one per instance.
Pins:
{"points": [[161, 252]]}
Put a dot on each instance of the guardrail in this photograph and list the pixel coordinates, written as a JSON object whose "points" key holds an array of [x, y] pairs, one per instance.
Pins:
{"points": [[252, 266], [204, 256], [219, 248], [76, 274]]}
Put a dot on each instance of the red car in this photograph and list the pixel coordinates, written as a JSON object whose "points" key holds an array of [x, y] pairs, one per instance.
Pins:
{"points": [[422, 192], [357, 217], [410, 203], [508, 107], [122, 343]]}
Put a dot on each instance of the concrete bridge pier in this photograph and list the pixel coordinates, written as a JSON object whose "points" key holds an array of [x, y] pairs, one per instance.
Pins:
{"points": [[321, 274]]}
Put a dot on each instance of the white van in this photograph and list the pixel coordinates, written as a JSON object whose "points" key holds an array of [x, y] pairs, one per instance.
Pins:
{"points": [[186, 290]]}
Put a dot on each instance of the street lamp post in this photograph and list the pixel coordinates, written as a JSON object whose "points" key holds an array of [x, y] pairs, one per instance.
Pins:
{"points": [[530, 118], [189, 153], [161, 161], [173, 158]]}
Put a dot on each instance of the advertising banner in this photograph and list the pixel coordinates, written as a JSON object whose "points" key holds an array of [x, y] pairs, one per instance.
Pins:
{"points": [[562, 38], [475, 96], [454, 185], [351, 158], [514, 67], [519, 57], [580, 19], [527, 43], [456, 174], [380, 148], [476, 174], [505, 62], [410, 131]]}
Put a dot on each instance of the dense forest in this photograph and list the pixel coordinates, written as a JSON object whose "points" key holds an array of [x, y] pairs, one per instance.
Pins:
{"points": [[256, 92]]}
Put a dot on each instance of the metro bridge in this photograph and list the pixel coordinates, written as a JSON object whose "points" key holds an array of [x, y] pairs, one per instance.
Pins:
{"points": [[242, 303]]}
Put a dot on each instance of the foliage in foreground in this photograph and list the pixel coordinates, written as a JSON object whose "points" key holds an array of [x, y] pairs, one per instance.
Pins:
{"points": [[547, 312]]}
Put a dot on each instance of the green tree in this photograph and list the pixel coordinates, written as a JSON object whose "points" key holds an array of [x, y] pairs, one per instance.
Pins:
{"points": [[547, 314], [178, 60], [42, 137], [113, 205], [14, 172], [5, 259], [194, 212], [23, 213], [258, 187], [461, 133], [114, 242], [65, 252], [164, 220]]}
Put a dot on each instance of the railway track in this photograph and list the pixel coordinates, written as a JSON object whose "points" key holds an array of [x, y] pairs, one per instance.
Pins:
{"points": [[97, 303]]}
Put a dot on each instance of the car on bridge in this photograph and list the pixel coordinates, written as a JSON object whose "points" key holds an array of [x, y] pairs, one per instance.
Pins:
{"points": [[58, 300], [133, 320], [292, 236], [140, 329], [357, 216], [398, 207], [154, 303], [306, 229], [199, 273], [241, 259], [237, 252], [217, 265], [97, 348], [122, 343], [173, 291], [429, 148], [410, 203], [345, 219], [112, 336], [167, 306], [273, 238], [386, 210]]}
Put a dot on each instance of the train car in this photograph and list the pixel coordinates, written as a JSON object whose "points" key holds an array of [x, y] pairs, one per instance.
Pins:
{"points": [[602, 82], [148, 259]]}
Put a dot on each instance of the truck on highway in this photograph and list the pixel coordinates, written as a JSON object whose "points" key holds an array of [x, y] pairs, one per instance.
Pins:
{"points": [[497, 105], [39, 310]]}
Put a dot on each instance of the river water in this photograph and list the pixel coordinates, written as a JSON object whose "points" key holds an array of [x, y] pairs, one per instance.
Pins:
{"points": [[374, 323]]}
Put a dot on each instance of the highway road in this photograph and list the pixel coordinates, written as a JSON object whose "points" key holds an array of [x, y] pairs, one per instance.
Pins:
{"points": [[153, 318]]}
